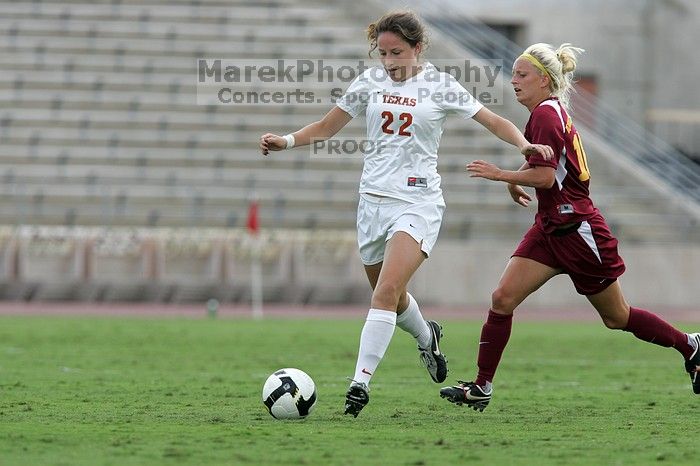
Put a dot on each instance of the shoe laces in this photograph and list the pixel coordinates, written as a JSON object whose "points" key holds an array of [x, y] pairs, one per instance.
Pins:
{"points": [[355, 382], [465, 385]]}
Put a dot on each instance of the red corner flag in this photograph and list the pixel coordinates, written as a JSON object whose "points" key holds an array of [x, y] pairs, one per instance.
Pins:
{"points": [[253, 224]]}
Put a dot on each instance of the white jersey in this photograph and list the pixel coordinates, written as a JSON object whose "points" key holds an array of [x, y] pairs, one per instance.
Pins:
{"points": [[405, 122]]}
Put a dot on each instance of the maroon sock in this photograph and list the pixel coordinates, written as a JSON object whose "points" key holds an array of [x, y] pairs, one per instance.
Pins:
{"points": [[494, 338], [650, 327]]}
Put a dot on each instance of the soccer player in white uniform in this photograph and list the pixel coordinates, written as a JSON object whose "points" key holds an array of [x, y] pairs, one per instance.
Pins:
{"points": [[405, 102]]}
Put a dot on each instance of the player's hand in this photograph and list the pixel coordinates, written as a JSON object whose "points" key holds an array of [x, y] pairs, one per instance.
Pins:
{"points": [[519, 195], [483, 169], [533, 149], [269, 141]]}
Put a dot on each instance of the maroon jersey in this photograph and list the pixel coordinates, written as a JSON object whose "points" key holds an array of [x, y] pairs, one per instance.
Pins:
{"points": [[567, 200]]}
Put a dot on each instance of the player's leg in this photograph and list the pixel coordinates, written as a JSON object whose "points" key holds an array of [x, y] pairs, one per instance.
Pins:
{"points": [[358, 393], [371, 238], [594, 265], [405, 303], [402, 257], [521, 278], [427, 333], [373, 218], [375, 336], [372, 272], [617, 314], [422, 223], [409, 317]]}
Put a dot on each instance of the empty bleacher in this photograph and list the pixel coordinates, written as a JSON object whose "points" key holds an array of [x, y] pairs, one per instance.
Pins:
{"points": [[100, 127], [99, 124]]}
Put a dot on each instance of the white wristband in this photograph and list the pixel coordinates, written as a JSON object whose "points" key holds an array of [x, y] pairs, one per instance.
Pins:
{"points": [[290, 140]]}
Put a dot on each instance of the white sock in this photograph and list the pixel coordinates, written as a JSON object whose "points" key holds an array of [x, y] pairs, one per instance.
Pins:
{"points": [[374, 340], [411, 321]]}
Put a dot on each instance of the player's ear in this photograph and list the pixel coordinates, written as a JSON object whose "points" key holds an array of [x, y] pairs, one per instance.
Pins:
{"points": [[545, 81], [419, 48]]}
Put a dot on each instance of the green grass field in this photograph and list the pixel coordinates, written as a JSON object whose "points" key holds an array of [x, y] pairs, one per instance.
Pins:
{"points": [[121, 391]]}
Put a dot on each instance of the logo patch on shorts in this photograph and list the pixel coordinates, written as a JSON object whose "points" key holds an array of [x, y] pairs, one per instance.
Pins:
{"points": [[417, 182], [566, 209]]}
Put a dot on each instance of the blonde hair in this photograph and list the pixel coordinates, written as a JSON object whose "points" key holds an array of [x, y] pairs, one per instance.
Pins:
{"points": [[405, 24], [559, 64]]}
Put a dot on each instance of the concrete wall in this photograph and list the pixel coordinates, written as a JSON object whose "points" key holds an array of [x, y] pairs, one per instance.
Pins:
{"points": [[112, 264]]}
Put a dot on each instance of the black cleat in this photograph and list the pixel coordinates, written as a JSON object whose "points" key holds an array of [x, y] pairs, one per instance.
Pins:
{"points": [[692, 365], [467, 393], [432, 358], [356, 398]]}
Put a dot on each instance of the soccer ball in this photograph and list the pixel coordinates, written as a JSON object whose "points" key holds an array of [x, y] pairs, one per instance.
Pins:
{"points": [[289, 394]]}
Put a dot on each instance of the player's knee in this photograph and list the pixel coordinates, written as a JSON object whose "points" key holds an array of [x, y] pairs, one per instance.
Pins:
{"points": [[386, 295], [615, 322], [502, 301]]}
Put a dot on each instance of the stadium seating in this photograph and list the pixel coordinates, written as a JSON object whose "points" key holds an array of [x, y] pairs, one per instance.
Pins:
{"points": [[100, 128]]}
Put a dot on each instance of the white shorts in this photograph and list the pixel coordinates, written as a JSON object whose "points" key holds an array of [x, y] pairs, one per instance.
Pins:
{"points": [[378, 218]]}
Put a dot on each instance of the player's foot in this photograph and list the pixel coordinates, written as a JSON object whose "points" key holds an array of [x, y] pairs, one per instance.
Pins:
{"points": [[356, 398], [433, 359], [692, 365], [467, 393]]}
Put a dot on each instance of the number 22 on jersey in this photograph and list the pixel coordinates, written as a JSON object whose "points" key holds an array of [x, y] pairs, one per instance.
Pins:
{"points": [[388, 118]]}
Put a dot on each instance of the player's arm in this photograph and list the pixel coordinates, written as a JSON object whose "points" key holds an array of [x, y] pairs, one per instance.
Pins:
{"points": [[517, 193], [535, 176], [508, 132], [323, 129]]}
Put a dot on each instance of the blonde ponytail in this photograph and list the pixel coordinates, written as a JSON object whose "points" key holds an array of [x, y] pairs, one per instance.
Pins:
{"points": [[566, 54]]}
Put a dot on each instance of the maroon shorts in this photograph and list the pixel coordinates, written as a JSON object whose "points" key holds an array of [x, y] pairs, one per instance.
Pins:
{"points": [[588, 254]]}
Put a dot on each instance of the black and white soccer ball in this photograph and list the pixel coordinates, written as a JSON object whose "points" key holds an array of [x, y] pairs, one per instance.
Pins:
{"points": [[289, 394]]}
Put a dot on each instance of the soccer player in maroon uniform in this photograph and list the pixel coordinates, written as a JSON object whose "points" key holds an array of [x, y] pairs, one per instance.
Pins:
{"points": [[569, 235]]}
